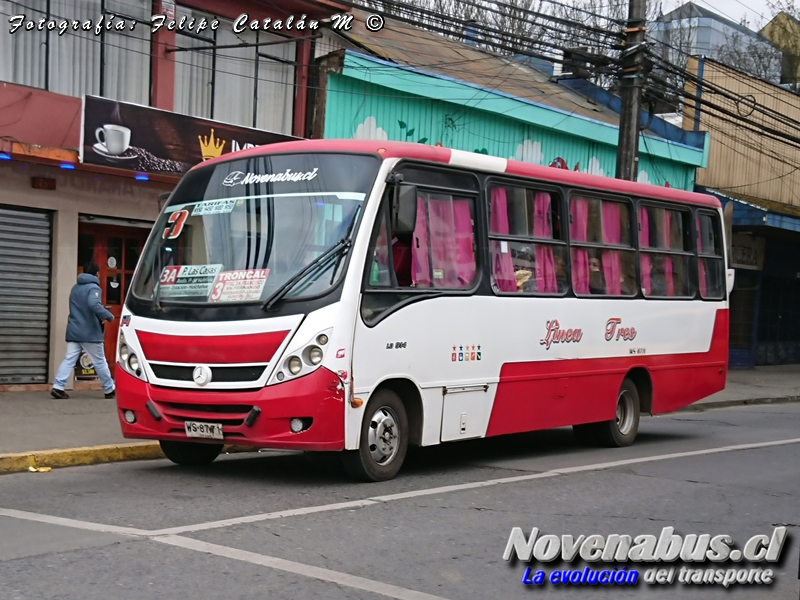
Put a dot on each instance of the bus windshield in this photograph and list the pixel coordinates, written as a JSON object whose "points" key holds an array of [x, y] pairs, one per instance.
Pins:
{"points": [[239, 230]]}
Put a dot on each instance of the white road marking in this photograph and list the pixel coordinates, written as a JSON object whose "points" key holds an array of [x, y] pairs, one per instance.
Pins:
{"points": [[75, 524], [352, 581], [295, 512], [468, 486], [18, 514]]}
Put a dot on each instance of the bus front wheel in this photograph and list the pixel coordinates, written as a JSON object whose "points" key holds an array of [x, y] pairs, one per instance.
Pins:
{"points": [[190, 454], [384, 439], [622, 429]]}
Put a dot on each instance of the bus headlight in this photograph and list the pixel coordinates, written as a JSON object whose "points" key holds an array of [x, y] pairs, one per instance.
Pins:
{"points": [[315, 355], [304, 358], [295, 365], [133, 363], [124, 352]]}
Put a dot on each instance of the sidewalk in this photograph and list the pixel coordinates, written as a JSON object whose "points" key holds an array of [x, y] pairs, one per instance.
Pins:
{"points": [[32, 422]]}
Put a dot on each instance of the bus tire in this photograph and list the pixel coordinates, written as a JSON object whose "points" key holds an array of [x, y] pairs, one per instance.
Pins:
{"points": [[190, 454], [622, 430], [384, 439], [619, 432]]}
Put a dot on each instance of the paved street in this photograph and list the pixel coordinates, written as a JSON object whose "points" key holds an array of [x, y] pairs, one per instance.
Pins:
{"points": [[278, 525]]}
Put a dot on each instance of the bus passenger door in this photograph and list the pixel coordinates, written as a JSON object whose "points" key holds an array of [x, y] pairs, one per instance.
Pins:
{"points": [[466, 410]]}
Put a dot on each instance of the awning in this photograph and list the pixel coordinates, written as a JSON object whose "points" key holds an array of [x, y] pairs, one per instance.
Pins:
{"points": [[752, 212]]}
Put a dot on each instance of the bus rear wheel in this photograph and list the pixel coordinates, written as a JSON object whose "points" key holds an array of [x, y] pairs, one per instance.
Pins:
{"points": [[622, 429], [384, 440], [190, 454]]}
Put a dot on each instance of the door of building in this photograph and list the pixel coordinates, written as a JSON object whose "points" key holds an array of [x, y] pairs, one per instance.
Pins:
{"points": [[116, 250]]}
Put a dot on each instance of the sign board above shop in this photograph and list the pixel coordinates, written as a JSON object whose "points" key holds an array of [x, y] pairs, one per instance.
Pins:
{"points": [[747, 252], [149, 140]]}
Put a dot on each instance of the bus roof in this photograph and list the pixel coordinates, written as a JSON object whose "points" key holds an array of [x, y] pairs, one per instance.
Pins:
{"points": [[477, 162]]}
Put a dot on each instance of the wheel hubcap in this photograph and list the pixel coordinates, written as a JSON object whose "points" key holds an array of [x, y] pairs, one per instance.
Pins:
{"points": [[625, 410], [383, 436]]}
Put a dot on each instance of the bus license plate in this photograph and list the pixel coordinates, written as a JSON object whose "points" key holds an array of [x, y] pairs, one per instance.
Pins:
{"points": [[204, 430]]}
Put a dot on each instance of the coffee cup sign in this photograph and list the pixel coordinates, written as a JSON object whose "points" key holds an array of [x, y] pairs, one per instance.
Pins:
{"points": [[114, 138]]}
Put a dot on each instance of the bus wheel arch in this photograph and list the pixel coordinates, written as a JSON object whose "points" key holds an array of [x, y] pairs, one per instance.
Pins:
{"points": [[622, 430], [644, 385], [382, 439], [409, 394]]}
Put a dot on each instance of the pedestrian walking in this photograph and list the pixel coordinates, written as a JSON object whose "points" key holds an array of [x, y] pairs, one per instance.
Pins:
{"points": [[85, 332]]}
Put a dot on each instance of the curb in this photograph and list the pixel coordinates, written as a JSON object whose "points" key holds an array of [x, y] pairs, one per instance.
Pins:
{"points": [[90, 455], [701, 407]]}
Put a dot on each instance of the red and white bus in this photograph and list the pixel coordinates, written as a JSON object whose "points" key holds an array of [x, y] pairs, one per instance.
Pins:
{"points": [[361, 296]]}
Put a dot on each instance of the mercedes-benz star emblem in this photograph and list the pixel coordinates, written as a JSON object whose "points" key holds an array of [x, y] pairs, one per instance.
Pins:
{"points": [[201, 375]]}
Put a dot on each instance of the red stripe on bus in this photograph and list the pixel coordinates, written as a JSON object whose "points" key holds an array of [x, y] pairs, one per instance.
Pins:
{"points": [[547, 394], [211, 349]]}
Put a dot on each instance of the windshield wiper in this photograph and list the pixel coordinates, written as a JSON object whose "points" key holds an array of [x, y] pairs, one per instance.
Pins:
{"points": [[321, 260], [317, 262]]}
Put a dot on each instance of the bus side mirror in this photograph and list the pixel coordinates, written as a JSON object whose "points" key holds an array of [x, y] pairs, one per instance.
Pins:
{"points": [[405, 208], [727, 218]]}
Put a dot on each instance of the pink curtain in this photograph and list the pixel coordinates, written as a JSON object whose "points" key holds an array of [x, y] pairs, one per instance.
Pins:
{"points": [[668, 270], [443, 243], [465, 242], [446, 257], [644, 242], [579, 232], [545, 263], [502, 263], [701, 264], [420, 248], [612, 234]]}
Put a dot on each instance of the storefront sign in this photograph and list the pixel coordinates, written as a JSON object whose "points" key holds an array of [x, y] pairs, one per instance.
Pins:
{"points": [[148, 140], [747, 252]]}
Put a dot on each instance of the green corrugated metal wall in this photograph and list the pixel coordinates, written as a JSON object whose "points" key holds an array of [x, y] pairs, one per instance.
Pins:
{"points": [[359, 109]]}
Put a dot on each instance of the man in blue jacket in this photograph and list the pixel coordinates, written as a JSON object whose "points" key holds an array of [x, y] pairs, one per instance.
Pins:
{"points": [[85, 332]]}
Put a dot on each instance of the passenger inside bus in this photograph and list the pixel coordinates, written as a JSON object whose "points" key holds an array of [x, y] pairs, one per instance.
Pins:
{"points": [[597, 282]]}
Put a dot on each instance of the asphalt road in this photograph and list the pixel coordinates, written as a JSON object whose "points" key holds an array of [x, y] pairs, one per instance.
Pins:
{"points": [[280, 526]]}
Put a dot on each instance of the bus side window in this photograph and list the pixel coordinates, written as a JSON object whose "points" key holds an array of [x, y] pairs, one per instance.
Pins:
{"points": [[603, 258], [665, 253], [528, 252], [710, 261], [380, 268]]}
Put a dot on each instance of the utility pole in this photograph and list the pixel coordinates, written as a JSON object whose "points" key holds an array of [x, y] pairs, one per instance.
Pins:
{"points": [[632, 81]]}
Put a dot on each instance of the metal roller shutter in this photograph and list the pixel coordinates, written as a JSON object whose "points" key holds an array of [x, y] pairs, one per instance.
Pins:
{"points": [[25, 251]]}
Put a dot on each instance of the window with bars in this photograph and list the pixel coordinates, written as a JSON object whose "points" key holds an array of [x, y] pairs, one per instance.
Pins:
{"points": [[115, 64], [251, 86]]}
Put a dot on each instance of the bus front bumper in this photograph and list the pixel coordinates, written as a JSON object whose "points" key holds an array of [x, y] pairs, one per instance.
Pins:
{"points": [[258, 418]]}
